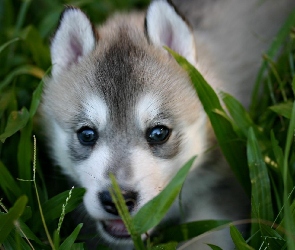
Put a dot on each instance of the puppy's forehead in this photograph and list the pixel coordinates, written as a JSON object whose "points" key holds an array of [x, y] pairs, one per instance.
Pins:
{"points": [[117, 78], [96, 110], [134, 79], [150, 111]]}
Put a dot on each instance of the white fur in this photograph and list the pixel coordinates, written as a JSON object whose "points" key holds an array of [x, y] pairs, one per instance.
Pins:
{"points": [[71, 42], [91, 177], [147, 109], [60, 146], [96, 110]]}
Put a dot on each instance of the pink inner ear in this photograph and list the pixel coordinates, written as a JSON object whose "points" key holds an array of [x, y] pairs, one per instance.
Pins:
{"points": [[167, 36], [76, 50]]}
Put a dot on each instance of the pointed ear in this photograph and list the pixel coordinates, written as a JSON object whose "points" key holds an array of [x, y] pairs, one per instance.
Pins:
{"points": [[165, 27], [74, 38]]}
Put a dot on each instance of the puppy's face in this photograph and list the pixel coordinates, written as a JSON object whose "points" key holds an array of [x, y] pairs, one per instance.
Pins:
{"points": [[118, 104]]}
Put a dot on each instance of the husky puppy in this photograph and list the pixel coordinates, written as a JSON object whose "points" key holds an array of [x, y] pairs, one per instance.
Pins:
{"points": [[117, 102]]}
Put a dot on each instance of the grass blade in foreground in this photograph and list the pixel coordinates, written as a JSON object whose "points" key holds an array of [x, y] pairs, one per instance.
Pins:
{"points": [[8, 185], [69, 241], [232, 148], [238, 239], [119, 201], [261, 193], [239, 114], [7, 220], [283, 109], [214, 247], [15, 242], [153, 211], [167, 246], [272, 238], [289, 222], [53, 207], [190, 230]]}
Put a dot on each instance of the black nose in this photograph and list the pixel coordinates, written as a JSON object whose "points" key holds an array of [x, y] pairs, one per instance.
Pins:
{"points": [[130, 198]]}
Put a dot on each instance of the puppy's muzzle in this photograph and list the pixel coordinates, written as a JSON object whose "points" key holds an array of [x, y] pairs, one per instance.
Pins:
{"points": [[107, 203]]}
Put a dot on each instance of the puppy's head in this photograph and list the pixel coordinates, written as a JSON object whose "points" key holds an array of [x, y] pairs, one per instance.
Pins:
{"points": [[118, 103]]}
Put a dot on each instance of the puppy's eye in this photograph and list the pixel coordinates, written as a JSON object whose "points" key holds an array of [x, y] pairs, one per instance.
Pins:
{"points": [[87, 136], [158, 134]]}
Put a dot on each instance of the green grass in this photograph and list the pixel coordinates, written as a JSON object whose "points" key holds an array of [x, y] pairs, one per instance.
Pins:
{"points": [[259, 144]]}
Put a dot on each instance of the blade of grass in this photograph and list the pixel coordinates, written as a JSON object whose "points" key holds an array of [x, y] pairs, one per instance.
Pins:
{"points": [[80, 246], [24, 153], [293, 84], [36, 97], [16, 242], [272, 238], [283, 109], [22, 70], [53, 207], [34, 42], [27, 233], [261, 192], [8, 220], [24, 159], [21, 15], [5, 99], [279, 155], [289, 222], [38, 199], [8, 185], [189, 230], [16, 121], [238, 113], [230, 144], [167, 246], [5, 45], [63, 212], [119, 201], [280, 228], [154, 210], [70, 240], [274, 70], [214, 247], [290, 138], [238, 239]]}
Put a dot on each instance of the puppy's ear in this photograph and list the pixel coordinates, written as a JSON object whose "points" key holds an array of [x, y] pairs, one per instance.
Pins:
{"points": [[165, 27], [75, 38]]}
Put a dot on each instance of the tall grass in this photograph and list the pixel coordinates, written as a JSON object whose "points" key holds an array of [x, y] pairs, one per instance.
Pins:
{"points": [[259, 145]]}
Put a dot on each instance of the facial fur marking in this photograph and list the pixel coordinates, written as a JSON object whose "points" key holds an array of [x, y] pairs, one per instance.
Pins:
{"points": [[96, 111], [148, 107], [121, 85], [94, 115], [78, 152]]}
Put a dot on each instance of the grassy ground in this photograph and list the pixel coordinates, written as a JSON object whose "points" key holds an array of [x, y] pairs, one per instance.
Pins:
{"points": [[263, 137]]}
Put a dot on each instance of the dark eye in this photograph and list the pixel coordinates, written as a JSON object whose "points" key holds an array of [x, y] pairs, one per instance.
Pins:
{"points": [[87, 136], [158, 134]]}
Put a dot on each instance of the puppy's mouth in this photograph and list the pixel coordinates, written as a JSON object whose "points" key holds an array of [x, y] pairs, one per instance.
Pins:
{"points": [[116, 229]]}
